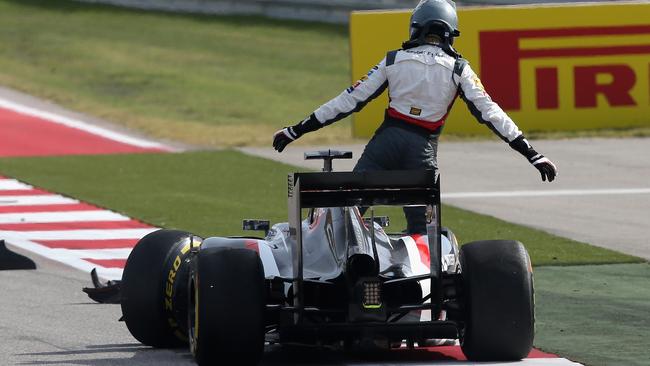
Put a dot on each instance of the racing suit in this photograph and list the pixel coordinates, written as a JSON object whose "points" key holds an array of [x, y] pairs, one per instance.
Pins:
{"points": [[423, 82]]}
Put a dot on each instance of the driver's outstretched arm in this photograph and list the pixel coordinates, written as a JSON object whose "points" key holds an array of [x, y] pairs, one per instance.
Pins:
{"points": [[351, 100], [486, 111]]}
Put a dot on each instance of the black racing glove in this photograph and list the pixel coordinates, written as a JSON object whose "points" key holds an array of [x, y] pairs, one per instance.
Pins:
{"points": [[284, 137], [546, 168], [287, 135]]}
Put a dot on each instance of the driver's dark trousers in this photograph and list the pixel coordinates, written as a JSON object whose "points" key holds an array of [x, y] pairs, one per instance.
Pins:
{"points": [[398, 145]]}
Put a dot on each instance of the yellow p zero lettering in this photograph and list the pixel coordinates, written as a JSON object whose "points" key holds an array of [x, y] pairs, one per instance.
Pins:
{"points": [[171, 277], [169, 289]]}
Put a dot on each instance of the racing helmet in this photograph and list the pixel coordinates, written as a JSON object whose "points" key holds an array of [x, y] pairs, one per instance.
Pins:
{"points": [[434, 16]]}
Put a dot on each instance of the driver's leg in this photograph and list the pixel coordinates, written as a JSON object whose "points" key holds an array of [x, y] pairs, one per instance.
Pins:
{"points": [[420, 154], [381, 153]]}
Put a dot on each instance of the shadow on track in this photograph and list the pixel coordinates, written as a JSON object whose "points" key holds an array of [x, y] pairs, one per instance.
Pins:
{"points": [[282, 355], [137, 354], [109, 354]]}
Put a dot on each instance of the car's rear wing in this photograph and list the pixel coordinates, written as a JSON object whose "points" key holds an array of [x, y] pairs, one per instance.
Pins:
{"points": [[371, 188], [340, 189]]}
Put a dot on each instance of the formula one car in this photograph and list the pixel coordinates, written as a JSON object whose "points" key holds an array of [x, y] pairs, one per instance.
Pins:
{"points": [[333, 278]]}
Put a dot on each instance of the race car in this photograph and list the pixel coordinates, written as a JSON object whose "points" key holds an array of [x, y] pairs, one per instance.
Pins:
{"points": [[332, 278]]}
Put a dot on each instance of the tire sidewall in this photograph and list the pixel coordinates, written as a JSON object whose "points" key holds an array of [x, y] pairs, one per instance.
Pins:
{"points": [[229, 302], [499, 300], [152, 271]]}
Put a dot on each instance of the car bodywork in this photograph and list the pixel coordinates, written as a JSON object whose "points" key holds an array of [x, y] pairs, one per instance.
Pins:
{"points": [[319, 276], [332, 278]]}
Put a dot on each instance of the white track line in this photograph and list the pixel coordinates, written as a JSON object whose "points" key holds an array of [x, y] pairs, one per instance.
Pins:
{"points": [[557, 193], [67, 257], [102, 253], [92, 234], [12, 184], [80, 125], [47, 199], [545, 362], [65, 216]]}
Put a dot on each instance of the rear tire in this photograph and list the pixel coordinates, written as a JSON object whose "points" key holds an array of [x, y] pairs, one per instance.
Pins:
{"points": [[499, 300], [149, 313], [227, 304]]}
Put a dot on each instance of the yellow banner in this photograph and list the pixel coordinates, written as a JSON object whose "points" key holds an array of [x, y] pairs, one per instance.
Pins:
{"points": [[551, 67]]}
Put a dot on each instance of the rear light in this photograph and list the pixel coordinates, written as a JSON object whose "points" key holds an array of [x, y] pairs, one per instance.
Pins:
{"points": [[371, 295]]}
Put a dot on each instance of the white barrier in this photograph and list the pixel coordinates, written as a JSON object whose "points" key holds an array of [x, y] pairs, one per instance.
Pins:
{"points": [[330, 11]]}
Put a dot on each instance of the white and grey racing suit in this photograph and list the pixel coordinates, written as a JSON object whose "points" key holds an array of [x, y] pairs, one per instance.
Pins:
{"points": [[423, 83], [422, 87]]}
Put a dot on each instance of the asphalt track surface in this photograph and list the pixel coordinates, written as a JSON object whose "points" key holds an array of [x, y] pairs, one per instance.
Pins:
{"points": [[601, 195], [47, 320]]}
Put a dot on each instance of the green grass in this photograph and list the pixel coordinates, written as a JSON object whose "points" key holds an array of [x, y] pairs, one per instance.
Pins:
{"points": [[210, 192], [206, 80], [597, 315]]}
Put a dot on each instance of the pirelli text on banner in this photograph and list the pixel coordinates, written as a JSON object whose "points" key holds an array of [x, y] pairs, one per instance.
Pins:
{"points": [[613, 79], [550, 67]]}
